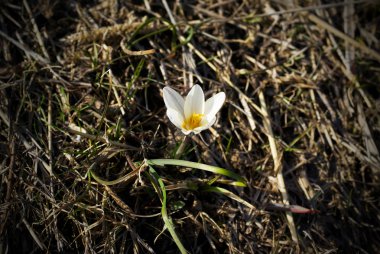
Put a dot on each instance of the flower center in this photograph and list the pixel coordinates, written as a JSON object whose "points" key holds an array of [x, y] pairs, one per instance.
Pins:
{"points": [[192, 122]]}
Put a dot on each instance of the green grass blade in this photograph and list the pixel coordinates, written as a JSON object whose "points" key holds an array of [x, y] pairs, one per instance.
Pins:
{"points": [[227, 193], [161, 191], [136, 74], [240, 181]]}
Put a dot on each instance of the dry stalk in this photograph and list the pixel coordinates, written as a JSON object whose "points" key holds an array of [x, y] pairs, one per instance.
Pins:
{"points": [[10, 182], [34, 235], [343, 36], [36, 31], [51, 166], [277, 166]]}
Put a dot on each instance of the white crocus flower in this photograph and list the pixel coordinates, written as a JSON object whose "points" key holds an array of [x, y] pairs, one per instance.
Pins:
{"points": [[192, 114]]}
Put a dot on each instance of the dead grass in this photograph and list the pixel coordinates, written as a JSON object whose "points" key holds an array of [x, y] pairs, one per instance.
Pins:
{"points": [[81, 89]]}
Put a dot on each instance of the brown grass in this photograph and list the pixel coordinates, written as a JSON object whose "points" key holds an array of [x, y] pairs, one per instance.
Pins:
{"points": [[81, 89]]}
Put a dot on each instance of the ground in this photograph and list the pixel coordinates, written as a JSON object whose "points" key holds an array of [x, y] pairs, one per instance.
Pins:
{"points": [[295, 145]]}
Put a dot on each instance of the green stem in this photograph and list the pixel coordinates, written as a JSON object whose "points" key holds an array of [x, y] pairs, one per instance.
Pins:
{"points": [[181, 148]]}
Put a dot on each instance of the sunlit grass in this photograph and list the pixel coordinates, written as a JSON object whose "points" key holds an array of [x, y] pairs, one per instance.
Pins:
{"points": [[91, 163]]}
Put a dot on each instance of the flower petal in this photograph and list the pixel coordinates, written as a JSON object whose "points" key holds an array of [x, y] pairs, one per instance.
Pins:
{"points": [[186, 132], [175, 117], [213, 105], [194, 102], [173, 100], [205, 125]]}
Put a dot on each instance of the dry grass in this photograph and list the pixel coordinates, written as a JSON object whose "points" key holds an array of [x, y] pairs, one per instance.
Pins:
{"points": [[81, 89]]}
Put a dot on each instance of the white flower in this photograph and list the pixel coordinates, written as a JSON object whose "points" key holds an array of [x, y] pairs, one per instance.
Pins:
{"points": [[192, 114]]}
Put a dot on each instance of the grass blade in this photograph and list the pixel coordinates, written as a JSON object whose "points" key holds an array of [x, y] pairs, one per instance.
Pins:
{"points": [[227, 193], [161, 191], [240, 181]]}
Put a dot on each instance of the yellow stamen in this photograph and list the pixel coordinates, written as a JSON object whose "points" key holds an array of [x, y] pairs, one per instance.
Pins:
{"points": [[192, 122]]}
